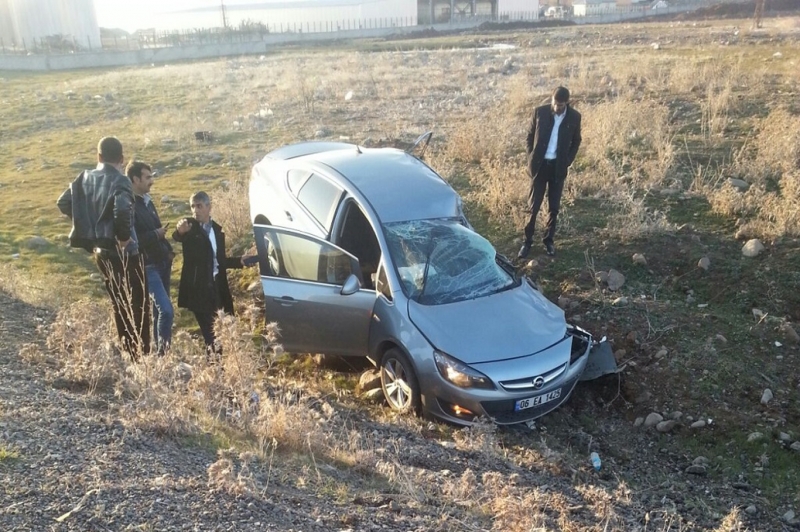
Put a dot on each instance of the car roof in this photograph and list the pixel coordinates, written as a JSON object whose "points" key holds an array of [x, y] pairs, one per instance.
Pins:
{"points": [[397, 185]]}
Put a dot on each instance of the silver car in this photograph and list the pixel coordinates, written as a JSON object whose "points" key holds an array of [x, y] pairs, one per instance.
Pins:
{"points": [[367, 252]]}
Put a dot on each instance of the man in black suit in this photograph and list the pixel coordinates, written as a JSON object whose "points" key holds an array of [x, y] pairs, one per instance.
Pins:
{"points": [[552, 144], [203, 286]]}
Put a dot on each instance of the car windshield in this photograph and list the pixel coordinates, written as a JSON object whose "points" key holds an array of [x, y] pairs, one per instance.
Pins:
{"points": [[441, 261]]}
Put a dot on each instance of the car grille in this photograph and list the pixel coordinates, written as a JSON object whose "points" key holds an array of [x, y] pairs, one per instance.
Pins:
{"points": [[525, 384], [502, 412]]}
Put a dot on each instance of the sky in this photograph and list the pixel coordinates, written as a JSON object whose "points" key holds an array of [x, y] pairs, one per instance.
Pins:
{"points": [[132, 14]]}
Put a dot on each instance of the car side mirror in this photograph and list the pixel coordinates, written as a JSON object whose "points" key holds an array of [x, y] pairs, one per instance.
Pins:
{"points": [[351, 285]]}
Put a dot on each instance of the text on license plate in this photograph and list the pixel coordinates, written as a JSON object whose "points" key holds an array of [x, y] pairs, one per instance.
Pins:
{"points": [[530, 402]]}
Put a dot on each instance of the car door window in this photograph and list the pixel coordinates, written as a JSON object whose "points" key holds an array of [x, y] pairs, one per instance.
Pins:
{"points": [[320, 197], [303, 257]]}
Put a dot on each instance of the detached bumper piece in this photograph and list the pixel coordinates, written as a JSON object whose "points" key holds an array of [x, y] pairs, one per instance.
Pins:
{"points": [[601, 362]]}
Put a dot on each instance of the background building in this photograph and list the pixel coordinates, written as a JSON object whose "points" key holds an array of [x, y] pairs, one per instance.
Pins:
{"points": [[48, 23]]}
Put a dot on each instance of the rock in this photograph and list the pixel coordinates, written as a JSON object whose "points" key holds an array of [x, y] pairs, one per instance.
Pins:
{"points": [[752, 248], [532, 264], [767, 396], [638, 258], [721, 338], [697, 470], [653, 419], [755, 436], [788, 516], [670, 191], [37, 242], [738, 184], [348, 96], [638, 422], [784, 437], [375, 395], [615, 280], [184, 371], [789, 334], [643, 397], [743, 233], [677, 415], [795, 446], [666, 426], [751, 510], [620, 301], [757, 313], [563, 302], [369, 380], [601, 277], [704, 263], [655, 46], [699, 424], [320, 133], [700, 460], [662, 353]]}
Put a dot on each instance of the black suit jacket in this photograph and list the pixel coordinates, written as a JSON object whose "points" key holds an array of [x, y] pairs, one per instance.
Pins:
{"points": [[197, 291], [569, 139]]}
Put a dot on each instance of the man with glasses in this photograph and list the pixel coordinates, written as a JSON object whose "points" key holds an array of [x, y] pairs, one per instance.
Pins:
{"points": [[156, 251], [100, 204], [553, 140]]}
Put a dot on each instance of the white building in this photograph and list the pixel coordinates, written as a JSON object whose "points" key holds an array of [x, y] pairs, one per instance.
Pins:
{"points": [[518, 9], [24, 22]]}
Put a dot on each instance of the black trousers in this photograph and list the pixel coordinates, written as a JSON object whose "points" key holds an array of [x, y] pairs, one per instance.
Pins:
{"points": [[126, 285], [545, 181], [206, 321]]}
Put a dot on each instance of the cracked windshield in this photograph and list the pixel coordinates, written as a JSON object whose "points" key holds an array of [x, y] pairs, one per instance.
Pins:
{"points": [[441, 261]]}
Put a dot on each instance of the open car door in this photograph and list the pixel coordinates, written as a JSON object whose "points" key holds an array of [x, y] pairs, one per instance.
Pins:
{"points": [[312, 288]]}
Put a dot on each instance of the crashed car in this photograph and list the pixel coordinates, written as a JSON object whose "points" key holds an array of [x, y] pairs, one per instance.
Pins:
{"points": [[367, 252]]}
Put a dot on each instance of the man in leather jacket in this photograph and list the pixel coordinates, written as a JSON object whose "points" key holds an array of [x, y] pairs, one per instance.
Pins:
{"points": [[100, 204]]}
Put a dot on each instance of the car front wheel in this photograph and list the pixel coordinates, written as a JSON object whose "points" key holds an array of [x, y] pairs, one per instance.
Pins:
{"points": [[399, 382]]}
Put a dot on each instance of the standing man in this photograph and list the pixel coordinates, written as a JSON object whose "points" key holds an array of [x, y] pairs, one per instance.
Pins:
{"points": [[100, 204], [156, 251], [203, 286], [553, 141]]}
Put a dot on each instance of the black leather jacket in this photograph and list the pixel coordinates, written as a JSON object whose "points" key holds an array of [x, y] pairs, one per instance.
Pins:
{"points": [[100, 203]]}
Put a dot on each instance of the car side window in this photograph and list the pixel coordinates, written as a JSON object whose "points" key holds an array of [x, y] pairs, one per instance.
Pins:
{"points": [[296, 179], [320, 197], [306, 259]]}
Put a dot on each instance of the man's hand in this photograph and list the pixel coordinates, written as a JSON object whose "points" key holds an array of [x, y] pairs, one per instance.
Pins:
{"points": [[249, 260], [161, 232], [183, 226]]}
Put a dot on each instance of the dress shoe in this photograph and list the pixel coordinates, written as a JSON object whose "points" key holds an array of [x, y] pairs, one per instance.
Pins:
{"points": [[551, 249], [524, 250]]}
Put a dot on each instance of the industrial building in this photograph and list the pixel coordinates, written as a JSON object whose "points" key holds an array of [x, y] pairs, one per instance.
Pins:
{"points": [[24, 23]]}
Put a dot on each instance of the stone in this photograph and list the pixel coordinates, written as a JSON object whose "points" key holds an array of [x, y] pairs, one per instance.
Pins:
{"points": [[601, 277], [767, 396], [788, 516], [700, 460], [752, 248], [37, 242], [620, 301], [704, 263], [369, 380], [320, 133], [563, 302], [795, 446], [784, 437], [638, 258], [662, 353], [653, 419], [738, 184], [699, 424], [639, 421], [666, 426], [348, 96], [615, 280], [184, 372], [375, 395], [532, 264], [751, 510], [697, 470], [755, 436], [789, 334], [677, 415]]}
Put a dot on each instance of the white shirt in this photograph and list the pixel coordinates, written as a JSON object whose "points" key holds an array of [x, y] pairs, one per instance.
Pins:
{"points": [[553, 144], [212, 237]]}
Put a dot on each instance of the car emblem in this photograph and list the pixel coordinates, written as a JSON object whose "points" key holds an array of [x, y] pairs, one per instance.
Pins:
{"points": [[538, 382]]}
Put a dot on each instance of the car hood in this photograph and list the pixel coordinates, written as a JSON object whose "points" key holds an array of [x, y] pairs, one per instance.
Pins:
{"points": [[509, 324]]}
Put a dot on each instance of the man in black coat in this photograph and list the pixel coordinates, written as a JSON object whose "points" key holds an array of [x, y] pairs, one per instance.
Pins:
{"points": [[552, 144], [203, 287]]}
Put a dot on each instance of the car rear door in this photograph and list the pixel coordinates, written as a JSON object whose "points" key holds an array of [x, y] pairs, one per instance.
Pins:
{"points": [[303, 277]]}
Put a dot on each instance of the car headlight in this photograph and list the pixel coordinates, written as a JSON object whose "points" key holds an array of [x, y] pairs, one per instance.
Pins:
{"points": [[459, 374]]}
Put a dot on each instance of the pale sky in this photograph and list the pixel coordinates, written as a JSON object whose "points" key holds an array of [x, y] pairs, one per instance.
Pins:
{"points": [[132, 14]]}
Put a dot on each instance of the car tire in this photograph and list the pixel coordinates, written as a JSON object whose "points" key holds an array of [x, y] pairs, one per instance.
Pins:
{"points": [[399, 382]]}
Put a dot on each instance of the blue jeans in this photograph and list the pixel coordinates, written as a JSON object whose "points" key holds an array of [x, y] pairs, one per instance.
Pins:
{"points": [[158, 276]]}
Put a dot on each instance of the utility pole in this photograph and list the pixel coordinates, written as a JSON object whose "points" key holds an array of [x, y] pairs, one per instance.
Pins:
{"points": [[758, 15], [224, 16]]}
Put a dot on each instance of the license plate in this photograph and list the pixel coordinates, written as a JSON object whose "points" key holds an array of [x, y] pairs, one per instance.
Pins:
{"points": [[530, 402]]}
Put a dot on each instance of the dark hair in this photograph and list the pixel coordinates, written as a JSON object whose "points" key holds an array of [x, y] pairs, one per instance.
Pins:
{"points": [[201, 197], [561, 94], [134, 169], [109, 149]]}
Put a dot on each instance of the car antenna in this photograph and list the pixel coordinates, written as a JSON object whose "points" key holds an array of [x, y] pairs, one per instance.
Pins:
{"points": [[423, 140]]}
